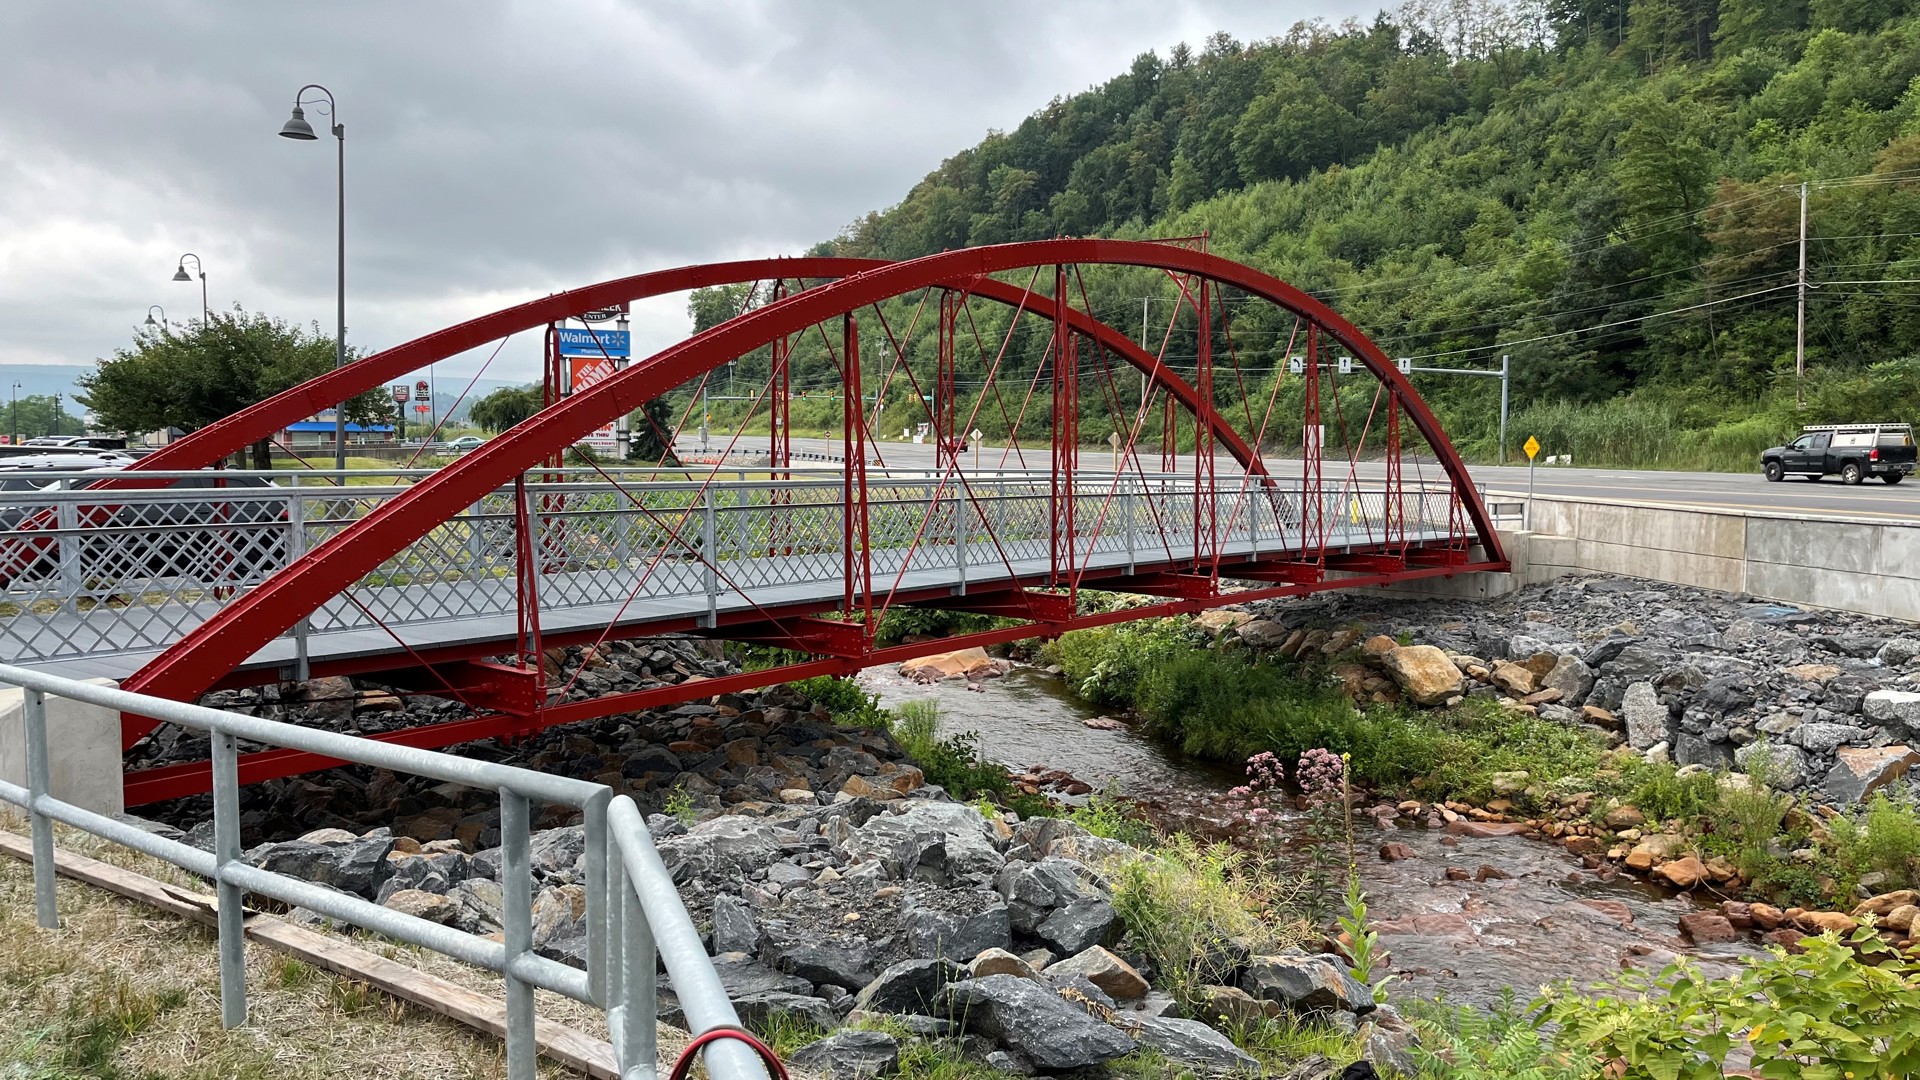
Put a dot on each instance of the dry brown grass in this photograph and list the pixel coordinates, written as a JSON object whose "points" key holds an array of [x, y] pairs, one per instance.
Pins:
{"points": [[124, 992]]}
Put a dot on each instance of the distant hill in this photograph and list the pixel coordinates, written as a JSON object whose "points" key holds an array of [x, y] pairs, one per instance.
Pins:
{"points": [[1606, 190], [49, 379]]}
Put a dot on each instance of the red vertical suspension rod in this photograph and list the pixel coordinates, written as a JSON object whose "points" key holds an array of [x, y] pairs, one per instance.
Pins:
{"points": [[1066, 411], [947, 441], [1205, 522], [856, 566], [1313, 526]]}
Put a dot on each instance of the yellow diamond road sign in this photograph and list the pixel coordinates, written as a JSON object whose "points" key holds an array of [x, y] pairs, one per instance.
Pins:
{"points": [[1532, 447]]}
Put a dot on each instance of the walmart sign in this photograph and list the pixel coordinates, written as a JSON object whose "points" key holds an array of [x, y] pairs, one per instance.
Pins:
{"points": [[594, 342]]}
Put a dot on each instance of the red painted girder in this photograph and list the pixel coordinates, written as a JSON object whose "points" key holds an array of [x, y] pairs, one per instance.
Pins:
{"points": [[1007, 603], [195, 662], [178, 781], [237, 432]]}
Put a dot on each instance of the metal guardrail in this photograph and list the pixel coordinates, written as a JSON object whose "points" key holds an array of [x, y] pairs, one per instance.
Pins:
{"points": [[90, 572], [634, 913]]}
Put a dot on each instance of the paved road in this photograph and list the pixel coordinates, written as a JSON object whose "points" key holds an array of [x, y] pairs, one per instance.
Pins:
{"points": [[1736, 491]]}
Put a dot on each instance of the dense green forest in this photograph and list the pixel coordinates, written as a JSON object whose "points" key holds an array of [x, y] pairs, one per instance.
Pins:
{"points": [[1607, 191]]}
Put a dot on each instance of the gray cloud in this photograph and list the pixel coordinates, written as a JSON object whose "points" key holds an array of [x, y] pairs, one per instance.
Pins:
{"points": [[496, 150]]}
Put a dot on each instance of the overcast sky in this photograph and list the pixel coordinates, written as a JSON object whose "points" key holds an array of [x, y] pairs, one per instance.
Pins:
{"points": [[496, 151]]}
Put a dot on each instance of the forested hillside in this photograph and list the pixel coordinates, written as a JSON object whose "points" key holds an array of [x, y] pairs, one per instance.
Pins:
{"points": [[1606, 190]]}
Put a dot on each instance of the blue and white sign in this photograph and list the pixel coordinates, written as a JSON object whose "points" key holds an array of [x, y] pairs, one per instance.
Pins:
{"points": [[593, 342]]}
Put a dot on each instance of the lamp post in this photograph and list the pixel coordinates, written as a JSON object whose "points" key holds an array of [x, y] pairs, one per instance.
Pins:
{"points": [[180, 274], [161, 323], [13, 416], [297, 127]]}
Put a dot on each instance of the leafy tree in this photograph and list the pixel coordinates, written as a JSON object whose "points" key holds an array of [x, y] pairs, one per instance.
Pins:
{"points": [[35, 415], [505, 407], [213, 369]]}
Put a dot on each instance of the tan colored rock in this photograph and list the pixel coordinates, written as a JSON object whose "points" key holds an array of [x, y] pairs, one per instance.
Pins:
{"points": [[1767, 917], [1683, 873], [947, 665], [1228, 1007], [1721, 869], [1707, 927], [1901, 918], [1104, 970], [1625, 817], [1511, 677], [1265, 634], [1652, 849], [1219, 620], [1378, 646], [1540, 664], [1543, 697], [378, 701], [1814, 672], [1878, 905], [998, 961], [1820, 922], [424, 905], [1292, 645], [1423, 672], [1594, 714], [871, 787], [1340, 641]]}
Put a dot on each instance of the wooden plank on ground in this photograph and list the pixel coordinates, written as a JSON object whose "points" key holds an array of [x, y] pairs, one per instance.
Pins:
{"points": [[558, 1042]]}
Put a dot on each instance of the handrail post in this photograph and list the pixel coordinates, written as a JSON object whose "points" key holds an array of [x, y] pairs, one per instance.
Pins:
{"points": [[46, 912], [70, 548], [296, 547], [710, 553], [960, 531], [598, 907], [516, 884], [226, 850], [637, 1047]]}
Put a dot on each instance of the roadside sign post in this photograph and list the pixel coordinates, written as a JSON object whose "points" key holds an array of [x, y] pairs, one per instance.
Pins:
{"points": [[401, 393], [1532, 448], [1113, 440], [974, 437]]}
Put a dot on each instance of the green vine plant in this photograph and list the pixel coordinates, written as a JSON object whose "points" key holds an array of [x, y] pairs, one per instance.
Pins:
{"points": [[1363, 943]]}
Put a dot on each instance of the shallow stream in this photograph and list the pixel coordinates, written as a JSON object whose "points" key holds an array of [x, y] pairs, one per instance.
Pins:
{"points": [[1538, 917]]}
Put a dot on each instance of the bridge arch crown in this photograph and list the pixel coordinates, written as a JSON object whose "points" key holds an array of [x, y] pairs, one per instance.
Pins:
{"points": [[198, 660]]}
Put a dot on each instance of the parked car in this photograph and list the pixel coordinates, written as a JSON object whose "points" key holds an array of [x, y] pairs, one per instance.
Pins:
{"points": [[83, 442], [1852, 452], [205, 538], [457, 446]]}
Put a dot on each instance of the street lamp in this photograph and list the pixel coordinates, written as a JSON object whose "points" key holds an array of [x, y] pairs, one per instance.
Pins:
{"points": [[297, 127], [13, 415], [181, 275], [161, 324]]}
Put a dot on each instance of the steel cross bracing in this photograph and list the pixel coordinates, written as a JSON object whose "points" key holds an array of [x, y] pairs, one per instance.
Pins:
{"points": [[453, 581]]}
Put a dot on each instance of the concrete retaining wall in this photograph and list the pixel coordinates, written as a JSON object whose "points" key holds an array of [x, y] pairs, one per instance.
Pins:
{"points": [[1846, 564], [84, 749]]}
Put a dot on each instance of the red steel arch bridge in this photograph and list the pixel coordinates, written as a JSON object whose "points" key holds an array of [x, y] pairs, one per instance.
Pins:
{"points": [[1258, 445]]}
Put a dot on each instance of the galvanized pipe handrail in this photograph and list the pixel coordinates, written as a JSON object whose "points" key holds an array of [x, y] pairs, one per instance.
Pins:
{"points": [[631, 899]]}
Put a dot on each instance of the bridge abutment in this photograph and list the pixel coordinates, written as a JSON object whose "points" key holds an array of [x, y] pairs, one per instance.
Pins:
{"points": [[83, 749]]}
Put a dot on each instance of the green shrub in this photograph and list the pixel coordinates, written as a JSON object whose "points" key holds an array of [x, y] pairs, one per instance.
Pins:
{"points": [[1825, 1014], [1882, 838], [1106, 814], [1185, 903], [844, 699], [1106, 665], [1663, 796], [953, 762]]}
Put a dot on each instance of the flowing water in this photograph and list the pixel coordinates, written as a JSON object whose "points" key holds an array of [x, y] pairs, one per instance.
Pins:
{"points": [[1535, 915]]}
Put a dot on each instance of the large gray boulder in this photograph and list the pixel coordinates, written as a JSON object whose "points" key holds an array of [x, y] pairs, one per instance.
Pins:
{"points": [[850, 1055], [1572, 677], [356, 866], [1645, 716], [958, 926], [937, 842], [1894, 708], [1306, 984], [851, 963], [1079, 926], [1780, 766], [721, 849], [916, 987], [735, 929], [1190, 1042], [1035, 1023], [1035, 890]]}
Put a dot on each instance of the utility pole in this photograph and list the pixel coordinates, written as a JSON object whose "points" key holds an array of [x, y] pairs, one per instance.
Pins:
{"points": [[1800, 319], [1506, 368]]}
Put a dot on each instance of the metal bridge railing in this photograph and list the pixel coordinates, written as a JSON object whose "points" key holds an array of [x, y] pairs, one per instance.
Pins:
{"points": [[92, 572], [633, 912]]}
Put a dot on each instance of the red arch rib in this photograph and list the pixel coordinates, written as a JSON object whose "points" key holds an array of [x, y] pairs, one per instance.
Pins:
{"points": [[263, 419], [195, 662]]}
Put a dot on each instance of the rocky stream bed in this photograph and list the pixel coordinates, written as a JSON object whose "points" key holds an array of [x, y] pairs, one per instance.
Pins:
{"points": [[833, 881]]}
